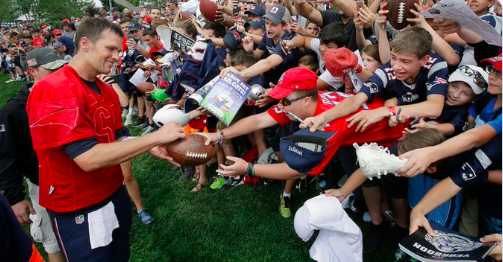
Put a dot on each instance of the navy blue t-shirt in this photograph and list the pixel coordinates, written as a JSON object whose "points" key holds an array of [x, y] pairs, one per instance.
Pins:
{"points": [[455, 115], [289, 61], [430, 80], [474, 172]]}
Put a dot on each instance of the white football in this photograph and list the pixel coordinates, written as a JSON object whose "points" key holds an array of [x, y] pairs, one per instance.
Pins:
{"points": [[171, 113]]}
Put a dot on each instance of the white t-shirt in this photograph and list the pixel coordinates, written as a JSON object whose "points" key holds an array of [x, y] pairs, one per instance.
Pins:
{"points": [[339, 240]]}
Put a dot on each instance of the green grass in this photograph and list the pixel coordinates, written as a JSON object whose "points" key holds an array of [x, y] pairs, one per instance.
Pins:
{"points": [[7, 90], [238, 224]]}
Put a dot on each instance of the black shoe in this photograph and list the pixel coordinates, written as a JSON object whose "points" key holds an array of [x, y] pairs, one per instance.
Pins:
{"points": [[188, 172], [139, 121], [302, 185], [396, 235], [376, 235]]}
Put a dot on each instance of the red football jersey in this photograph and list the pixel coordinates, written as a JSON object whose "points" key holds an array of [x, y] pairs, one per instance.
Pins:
{"points": [[379, 132], [38, 42], [154, 49], [63, 109]]}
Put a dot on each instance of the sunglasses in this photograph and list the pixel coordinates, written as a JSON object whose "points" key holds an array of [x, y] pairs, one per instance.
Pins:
{"points": [[491, 68], [478, 79], [287, 102]]}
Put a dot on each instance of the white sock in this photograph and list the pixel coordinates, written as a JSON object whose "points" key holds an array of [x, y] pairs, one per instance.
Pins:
{"points": [[130, 111], [285, 194]]}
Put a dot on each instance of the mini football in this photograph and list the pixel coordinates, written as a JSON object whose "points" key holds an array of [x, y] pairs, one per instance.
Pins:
{"points": [[208, 10], [170, 113], [191, 150], [399, 11], [159, 95]]}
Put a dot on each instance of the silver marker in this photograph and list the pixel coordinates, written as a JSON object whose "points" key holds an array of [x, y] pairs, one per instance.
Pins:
{"points": [[295, 117]]}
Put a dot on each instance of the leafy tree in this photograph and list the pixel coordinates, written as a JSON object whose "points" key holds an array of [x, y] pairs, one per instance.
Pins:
{"points": [[8, 12]]}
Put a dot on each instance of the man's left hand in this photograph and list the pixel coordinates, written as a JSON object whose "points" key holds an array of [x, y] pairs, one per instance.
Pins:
{"points": [[365, 118]]}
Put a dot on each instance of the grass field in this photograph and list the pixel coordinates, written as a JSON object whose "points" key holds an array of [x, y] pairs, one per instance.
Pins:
{"points": [[238, 224]]}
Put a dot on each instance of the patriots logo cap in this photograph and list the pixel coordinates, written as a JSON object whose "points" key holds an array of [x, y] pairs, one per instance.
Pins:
{"points": [[278, 14]]}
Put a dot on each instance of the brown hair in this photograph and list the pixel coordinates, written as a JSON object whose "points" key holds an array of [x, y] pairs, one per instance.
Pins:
{"points": [[372, 51], [93, 28], [412, 40], [308, 93], [157, 22], [188, 27], [420, 139], [240, 57], [309, 61]]}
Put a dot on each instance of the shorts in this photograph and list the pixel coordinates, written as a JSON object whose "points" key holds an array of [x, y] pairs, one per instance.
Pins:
{"points": [[272, 136], [445, 214], [127, 87], [76, 235], [396, 186], [41, 228]]}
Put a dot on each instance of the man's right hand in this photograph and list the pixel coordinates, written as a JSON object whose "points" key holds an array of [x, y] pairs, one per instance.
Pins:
{"points": [[315, 123], [169, 132], [21, 210]]}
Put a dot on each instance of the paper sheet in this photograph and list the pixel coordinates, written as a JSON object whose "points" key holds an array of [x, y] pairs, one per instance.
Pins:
{"points": [[138, 77], [458, 11]]}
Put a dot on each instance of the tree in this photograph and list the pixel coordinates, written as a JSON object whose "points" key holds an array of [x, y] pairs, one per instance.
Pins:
{"points": [[56, 10], [8, 11]]}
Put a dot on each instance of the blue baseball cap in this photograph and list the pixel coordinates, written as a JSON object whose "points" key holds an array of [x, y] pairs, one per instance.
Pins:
{"points": [[257, 23], [304, 150], [278, 14], [134, 26], [256, 10], [233, 39]]}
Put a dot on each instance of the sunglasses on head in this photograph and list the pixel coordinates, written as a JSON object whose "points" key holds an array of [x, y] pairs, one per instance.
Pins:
{"points": [[478, 79], [286, 102], [491, 68]]}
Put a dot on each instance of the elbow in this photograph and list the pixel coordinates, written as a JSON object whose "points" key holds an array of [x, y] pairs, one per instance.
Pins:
{"points": [[87, 163], [453, 61]]}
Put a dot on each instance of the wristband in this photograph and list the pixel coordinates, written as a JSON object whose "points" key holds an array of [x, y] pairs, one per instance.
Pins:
{"points": [[222, 137], [252, 170], [391, 111]]}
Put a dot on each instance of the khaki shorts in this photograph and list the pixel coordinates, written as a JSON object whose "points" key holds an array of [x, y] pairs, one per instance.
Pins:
{"points": [[41, 228]]}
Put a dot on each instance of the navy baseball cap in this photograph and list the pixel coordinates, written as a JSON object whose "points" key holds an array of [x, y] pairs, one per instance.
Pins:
{"points": [[233, 39], [304, 150], [256, 10], [257, 23], [134, 26], [278, 14]]}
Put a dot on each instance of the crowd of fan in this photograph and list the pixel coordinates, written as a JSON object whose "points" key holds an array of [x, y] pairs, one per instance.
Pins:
{"points": [[437, 71]]}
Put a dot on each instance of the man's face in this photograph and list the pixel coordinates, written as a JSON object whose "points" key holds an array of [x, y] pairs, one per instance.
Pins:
{"points": [[297, 108], [313, 29], [136, 34], [407, 66], [39, 73], [151, 41], [273, 30], [256, 31], [327, 47], [66, 28], [494, 83], [155, 13], [459, 93], [104, 53], [171, 7], [479, 7], [124, 28]]}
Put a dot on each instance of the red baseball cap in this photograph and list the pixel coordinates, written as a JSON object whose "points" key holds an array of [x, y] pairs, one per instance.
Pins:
{"points": [[337, 61], [295, 79], [57, 32], [65, 21], [495, 61], [148, 19]]}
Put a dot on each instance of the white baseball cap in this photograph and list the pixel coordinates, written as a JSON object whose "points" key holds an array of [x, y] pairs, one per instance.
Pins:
{"points": [[474, 76]]}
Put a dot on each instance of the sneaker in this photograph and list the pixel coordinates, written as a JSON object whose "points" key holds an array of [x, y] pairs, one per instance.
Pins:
{"points": [[144, 125], [135, 111], [188, 172], [218, 183], [302, 185], [145, 217], [124, 112], [376, 160], [390, 216], [395, 235], [375, 237], [233, 181], [149, 130], [358, 206], [10, 80], [129, 120], [284, 207], [140, 121]]}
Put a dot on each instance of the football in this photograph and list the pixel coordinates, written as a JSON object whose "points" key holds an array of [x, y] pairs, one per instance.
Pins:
{"points": [[399, 11], [191, 150], [168, 113], [208, 10]]}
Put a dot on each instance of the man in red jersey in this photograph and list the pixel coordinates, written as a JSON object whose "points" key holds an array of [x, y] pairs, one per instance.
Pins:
{"points": [[297, 94], [75, 124]]}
